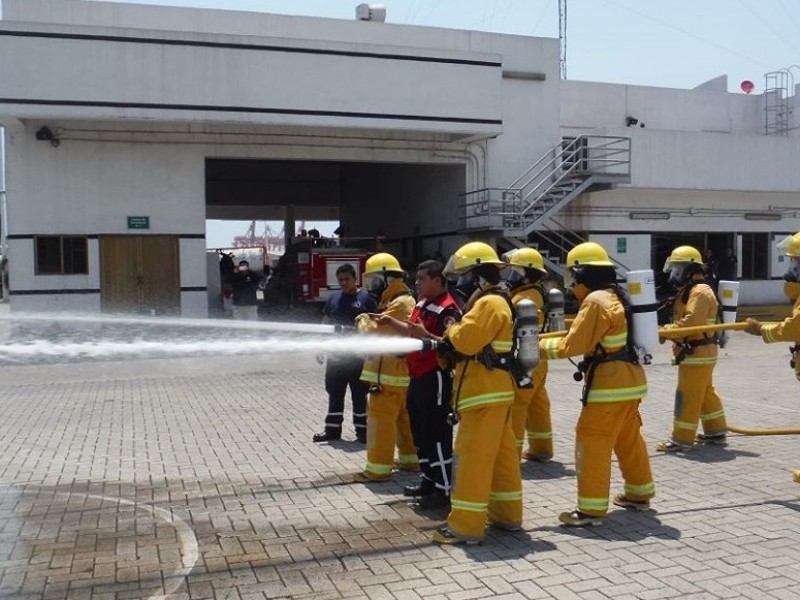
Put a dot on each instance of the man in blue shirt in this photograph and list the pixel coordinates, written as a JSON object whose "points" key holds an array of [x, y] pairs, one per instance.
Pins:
{"points": [[344, 370]]}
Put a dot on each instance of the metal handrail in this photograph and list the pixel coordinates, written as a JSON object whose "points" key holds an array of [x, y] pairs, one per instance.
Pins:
{"points": [[559, 172]]}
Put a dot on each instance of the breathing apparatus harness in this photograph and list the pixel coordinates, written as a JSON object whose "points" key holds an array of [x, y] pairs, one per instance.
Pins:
{"points": [[588, 366], [377, 388], [488, 356], [687, 347]]}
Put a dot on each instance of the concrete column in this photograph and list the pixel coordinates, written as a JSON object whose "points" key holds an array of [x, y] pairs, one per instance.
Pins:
{"points": [[289, 225]]}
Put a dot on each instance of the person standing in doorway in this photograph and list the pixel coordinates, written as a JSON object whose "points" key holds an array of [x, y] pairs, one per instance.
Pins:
{"points": [[728, 266], [245, 283], [343, 370]]}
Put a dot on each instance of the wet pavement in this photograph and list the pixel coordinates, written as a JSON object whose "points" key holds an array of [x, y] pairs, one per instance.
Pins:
{"points": [[197, 478]]}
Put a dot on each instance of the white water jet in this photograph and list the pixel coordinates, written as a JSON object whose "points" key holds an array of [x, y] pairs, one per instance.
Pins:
{"points": [[372, 344], [227, 324]]}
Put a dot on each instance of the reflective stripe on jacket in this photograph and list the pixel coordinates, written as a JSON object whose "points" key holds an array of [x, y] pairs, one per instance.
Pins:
{"points": [[488, 321], [600, 321], [701, 308], [389, 369]]}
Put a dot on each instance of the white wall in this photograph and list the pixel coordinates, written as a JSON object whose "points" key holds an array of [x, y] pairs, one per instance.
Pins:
{"points": [[590, 105], [631, 250], [688, 210]]}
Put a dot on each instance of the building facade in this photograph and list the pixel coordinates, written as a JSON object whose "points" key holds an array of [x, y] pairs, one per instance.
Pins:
{"points": [[127, 126]]}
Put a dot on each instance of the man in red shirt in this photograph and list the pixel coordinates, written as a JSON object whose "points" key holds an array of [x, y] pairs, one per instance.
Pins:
{"points": [[431, 386]]}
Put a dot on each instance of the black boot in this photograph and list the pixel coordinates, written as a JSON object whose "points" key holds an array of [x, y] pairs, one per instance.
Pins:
{"points": [[327, 436], [436, 500], [423, 488]]}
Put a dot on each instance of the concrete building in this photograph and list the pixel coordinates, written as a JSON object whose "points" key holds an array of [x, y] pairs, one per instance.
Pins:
{"points": [[127, 126]]}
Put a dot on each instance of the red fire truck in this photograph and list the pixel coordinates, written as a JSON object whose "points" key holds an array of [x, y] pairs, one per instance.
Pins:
{"points": [[316, 266]]}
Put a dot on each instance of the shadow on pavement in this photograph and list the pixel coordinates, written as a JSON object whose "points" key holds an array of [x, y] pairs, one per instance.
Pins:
{"points": [[622, 525], [549, 470], [711, 454]]}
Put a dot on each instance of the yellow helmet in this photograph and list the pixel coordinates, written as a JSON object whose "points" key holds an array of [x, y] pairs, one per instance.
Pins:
{"points": [[685, 254], [790, 245], [383, 262], [471, 255], [588, 254], [527, 258]]}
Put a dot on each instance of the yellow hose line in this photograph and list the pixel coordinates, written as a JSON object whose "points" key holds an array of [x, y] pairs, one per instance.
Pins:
{"points": [[672, 332], [758, 431], [669, 332], [552, 334]]}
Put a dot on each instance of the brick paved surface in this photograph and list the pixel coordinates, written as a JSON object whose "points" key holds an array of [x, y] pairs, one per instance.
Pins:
{"points": [[197, 479]]}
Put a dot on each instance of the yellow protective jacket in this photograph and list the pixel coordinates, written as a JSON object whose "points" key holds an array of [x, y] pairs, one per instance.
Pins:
{"points": [[701, 308], [787, 330], [600, 322], [533, 292], [388, 369], [487, 322]]}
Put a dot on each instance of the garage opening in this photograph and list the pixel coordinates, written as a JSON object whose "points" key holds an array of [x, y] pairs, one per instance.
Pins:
{"points": [[341, 211]]}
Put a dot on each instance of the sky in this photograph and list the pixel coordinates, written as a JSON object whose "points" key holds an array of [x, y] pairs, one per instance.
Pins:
{"points": [[665, 43]]}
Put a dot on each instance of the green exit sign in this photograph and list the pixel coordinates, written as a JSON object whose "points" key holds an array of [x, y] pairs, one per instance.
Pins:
{"points": [[138, 222], [622, 245]]}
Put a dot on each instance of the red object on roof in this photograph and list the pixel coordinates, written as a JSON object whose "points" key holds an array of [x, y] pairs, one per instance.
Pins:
{"points": [[747, 86]]}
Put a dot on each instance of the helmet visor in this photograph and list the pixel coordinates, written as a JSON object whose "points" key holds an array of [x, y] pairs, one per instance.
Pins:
{"points": [[374, 282], [515, 276], [793, 271], [571, 278], [783, 245], [449, 270]]}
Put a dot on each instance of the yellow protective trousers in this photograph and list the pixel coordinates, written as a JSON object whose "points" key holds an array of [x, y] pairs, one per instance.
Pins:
{"points": [[539, 425], [487, 480], [532, 408], [696, 399], [519, 415], [603, 428], [388, 425]]}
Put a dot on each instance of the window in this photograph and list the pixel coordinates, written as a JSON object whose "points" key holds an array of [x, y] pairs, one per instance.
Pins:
{"points": [[755, 256], [61, 255]]}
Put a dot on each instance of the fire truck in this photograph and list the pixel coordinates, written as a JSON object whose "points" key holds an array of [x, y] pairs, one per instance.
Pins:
{"points": [[315, 260]]}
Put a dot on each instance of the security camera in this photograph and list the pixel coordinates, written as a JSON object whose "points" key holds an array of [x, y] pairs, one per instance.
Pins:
{"points": [[631, 121], [45, 134]]}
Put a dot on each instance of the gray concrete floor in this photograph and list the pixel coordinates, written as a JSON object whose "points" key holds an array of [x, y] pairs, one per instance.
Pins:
{"points": [[197, 478]]}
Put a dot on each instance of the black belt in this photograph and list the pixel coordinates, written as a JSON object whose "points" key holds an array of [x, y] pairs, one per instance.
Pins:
{"points": [[589, 365], [688, 346]]}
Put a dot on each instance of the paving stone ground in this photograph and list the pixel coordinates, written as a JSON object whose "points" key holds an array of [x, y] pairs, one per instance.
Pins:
{"points": [[197, 478]]}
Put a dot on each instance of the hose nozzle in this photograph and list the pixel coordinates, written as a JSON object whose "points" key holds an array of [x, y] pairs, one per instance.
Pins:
{"points": [[428, 344]]}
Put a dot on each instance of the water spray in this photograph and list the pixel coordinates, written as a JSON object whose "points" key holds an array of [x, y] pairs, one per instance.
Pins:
{"points": [[254, 338]]}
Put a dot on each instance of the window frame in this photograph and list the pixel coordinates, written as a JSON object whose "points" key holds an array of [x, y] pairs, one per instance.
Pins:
{"points": [[62, 257]]}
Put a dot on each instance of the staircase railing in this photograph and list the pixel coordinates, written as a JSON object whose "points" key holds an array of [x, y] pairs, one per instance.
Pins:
{"points": [[554, 180]]}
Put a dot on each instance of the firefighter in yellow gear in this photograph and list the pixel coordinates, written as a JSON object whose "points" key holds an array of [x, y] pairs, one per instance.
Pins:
{"points": [[787, 330], [531, 403], [387, 374], [614, 385], [696, 398], [487, 481]]}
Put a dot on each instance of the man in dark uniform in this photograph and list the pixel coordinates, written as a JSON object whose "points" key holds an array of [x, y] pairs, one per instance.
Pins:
{"points": [[431, 387], [245, 301], [343, 370]]}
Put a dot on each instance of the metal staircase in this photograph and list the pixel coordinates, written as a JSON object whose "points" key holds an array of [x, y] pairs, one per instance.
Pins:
{"points": [[524, 212]]}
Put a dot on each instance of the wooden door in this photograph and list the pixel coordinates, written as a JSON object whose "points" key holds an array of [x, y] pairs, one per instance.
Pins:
{"points": [[119, 270], [160, 271], [140, 274]]}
